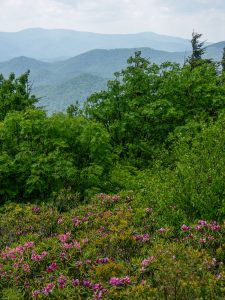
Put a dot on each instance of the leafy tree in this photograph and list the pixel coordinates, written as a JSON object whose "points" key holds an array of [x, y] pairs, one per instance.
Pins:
{"points": [[41, 155], [15, 94], [198, 50]]}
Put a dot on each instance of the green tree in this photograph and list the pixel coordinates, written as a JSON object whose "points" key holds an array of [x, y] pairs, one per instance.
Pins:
{"points": [[198, 49], [15, 94]]}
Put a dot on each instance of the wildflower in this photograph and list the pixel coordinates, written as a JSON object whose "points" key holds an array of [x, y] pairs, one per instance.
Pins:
{"points": [[28, 245], [202, 241], [149, 210], [62, 282], [36, 293], [36, 209], [87, 283], [142, 237], [48, 289], [115, 198], [161, 230], [67, 245], [202, 223], [214, 226], [115, 281], [103, 261], [76, 221], [52, 267], [64, 237], [146, 262], [26, 268], [77, 245], [75, 282], [185, 227]]}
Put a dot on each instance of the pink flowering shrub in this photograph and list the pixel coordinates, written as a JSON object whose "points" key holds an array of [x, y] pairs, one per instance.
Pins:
{"points": [[108, 249]]}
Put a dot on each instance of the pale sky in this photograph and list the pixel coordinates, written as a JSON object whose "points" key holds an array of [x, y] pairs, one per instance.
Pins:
{"points": [[170, 17]]}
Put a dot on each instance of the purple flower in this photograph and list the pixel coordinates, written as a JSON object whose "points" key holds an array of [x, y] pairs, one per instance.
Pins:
{"points": [[48, 289], [62, 282], [36, 293], [115, 281], [185, 227], [142, 237], [75, 282], [52, 267]]}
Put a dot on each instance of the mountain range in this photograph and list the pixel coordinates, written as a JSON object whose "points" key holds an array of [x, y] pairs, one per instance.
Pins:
{"points": [[61, 82], [57, 44]]}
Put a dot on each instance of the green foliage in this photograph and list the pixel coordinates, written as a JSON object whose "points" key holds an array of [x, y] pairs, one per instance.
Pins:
{"points": [[147, 102], [200, 166], [40, 155], [15, 94]]}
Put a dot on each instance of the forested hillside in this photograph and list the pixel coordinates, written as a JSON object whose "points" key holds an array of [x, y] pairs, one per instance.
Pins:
{"points": [[123, 198]]}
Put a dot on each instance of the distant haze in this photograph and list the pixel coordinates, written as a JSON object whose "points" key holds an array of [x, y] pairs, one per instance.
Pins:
{"points": [[170, 17], [57, 44]]}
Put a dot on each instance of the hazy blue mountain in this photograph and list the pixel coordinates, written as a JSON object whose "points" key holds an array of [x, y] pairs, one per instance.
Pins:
{"points": [[50, 45], [215, 51], [59, 84], [58, 97]]}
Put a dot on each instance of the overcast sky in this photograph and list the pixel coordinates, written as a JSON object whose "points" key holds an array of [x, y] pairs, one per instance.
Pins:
{"points": [[171, 17]]}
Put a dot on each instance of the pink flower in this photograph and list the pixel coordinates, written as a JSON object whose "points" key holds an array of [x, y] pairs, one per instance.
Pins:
{"points": [[52, 267], [26, 268], [149, 210], [62, 282], [36, 209], [67, 245], [115, 198], [28, 245], [115, 281], [36, 293], [148, 261], [48, 289], [103, 261], [185, 227], [202, 223], [75, 282], [64, 237], [142, 237], [76, 221], [77, 245], [161, 230], [214, 226], [202, 241]]}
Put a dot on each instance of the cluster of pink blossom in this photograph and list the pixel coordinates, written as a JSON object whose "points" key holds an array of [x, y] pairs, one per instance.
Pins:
{"points": [[52, 267], [142, 237], [64, 237], [46, 290], [97, 288], [146, 262], [13, 253], [102, 261], [115, 281], [184, 227], [109, 199], [38, 257], [161, 230], [62, 281], [36, 209]]}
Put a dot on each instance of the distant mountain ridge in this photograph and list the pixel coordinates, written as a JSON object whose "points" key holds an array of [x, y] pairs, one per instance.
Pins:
{"points": [[60, 84], [46, 44]]}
